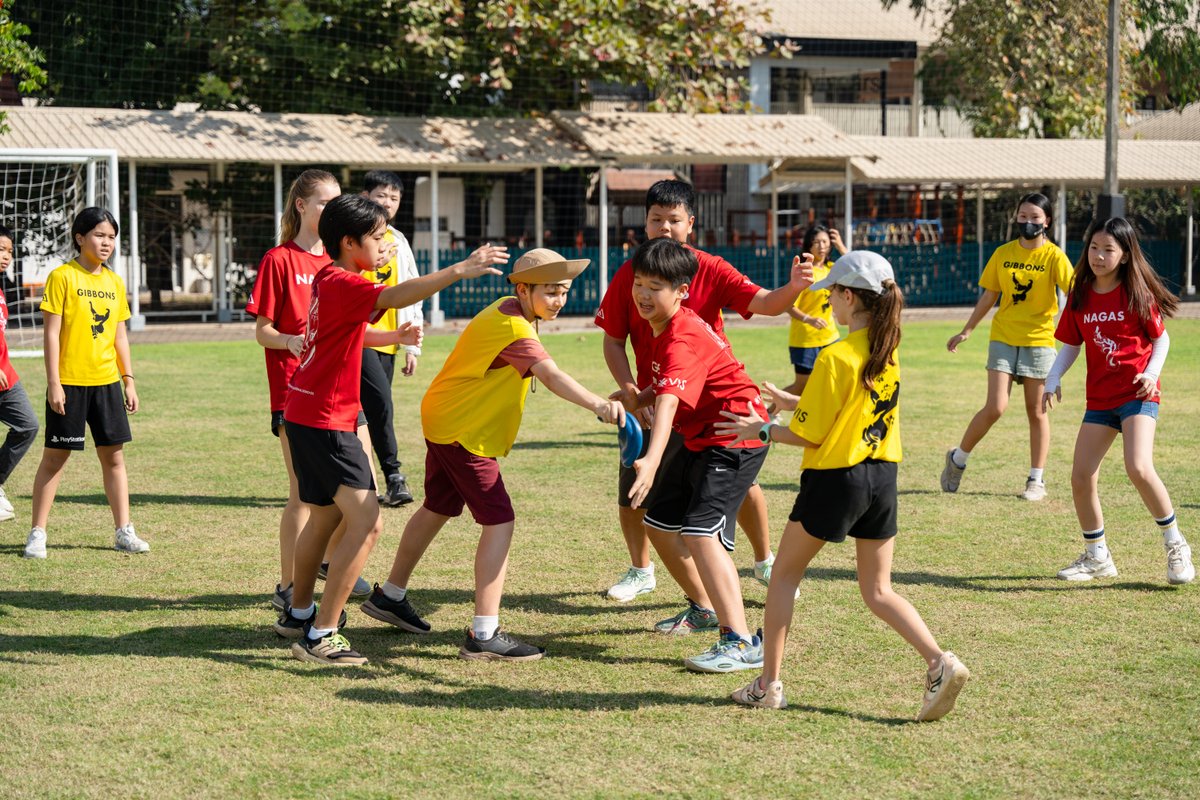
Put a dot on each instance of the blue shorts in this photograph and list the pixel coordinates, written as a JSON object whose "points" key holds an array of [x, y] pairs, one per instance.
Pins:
{"points": [[1113, 417], [803, 358]]}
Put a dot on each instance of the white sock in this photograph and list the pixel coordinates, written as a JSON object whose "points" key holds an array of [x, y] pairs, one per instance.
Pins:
{"points": [[1094, 542], [1170, 529], [393, 592], [305, 613], [485, 627], [644, 570], [1035, 474], [761, 564], [316, 634], [959, 457]]}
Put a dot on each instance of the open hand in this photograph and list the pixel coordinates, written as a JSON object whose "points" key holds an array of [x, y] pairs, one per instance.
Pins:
{"points": [[1147, 386], [779, 398], [1050, 398], [483, 261], [741, 428], [410, 333], [802, 272]]}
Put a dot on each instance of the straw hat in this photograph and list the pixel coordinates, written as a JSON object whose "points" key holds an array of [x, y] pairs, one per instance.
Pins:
{"points": [[546, 266]]}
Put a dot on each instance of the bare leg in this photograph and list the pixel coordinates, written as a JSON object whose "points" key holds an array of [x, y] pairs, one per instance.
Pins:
{"points": [[319, 523], [116, 482], [875, 583], [636, 540], [45, 483], [1039, 423], [1138, 432], [678, 560], [720, 580], [422, 526], [365, 439], [999, 386], [295, 515], [1091, 445], [796, 549], [360, 509], [491, 566], [752, 516]]}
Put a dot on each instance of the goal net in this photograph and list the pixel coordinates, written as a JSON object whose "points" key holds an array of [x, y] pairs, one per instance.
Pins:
{"points": [[41, 191]]}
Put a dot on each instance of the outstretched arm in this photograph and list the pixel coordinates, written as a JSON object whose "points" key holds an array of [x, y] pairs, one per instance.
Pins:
{"points": [[568, 388], [480, 262], [772, 304], [744, 428]]}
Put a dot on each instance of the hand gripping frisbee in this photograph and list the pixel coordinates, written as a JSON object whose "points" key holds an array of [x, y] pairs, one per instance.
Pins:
{"points": [[630, 439]]}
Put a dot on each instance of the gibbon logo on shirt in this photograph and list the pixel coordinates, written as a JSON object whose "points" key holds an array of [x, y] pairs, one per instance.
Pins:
{"points": [[98, 319]]}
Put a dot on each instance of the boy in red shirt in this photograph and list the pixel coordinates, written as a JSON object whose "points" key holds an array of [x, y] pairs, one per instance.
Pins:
{"points": [[695, 377], [15, 409], [321, 411], [716, 285]]}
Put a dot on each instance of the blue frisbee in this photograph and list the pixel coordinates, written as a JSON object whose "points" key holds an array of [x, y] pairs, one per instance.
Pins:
{"points": [[629, 438]]}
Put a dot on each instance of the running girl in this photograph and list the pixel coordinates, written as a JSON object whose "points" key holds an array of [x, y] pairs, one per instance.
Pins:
{"points": [[1115, 312]]}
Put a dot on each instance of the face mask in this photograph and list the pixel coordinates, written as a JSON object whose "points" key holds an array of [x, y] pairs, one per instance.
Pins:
{"points": [[1030, 230]]}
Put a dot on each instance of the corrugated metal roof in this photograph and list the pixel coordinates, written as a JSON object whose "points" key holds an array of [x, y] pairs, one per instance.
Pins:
{"points": [[850, 19], [632, 138], [209, 136], [1180, 126], [1008, 162]]}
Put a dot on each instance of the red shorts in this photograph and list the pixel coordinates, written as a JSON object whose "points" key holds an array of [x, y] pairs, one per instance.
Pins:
{"points": [[455, 477]]}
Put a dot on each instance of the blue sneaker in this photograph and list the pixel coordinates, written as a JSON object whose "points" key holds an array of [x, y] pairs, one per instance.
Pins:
{"points": [[730, 654]]}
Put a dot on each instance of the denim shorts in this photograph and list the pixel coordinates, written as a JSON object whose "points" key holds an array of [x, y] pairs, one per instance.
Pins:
{"points": [[1113, 417], [1020, 362]]}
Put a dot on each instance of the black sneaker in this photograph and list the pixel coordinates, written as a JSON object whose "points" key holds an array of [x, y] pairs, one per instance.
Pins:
{"points": [[323, 570], [501, 647], [394, 612], [290, 627], [397, 493], [282, 597], [332, 649]]}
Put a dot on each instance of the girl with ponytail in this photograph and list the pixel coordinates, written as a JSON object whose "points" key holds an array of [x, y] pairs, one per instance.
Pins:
{"points": [[848, 422]]}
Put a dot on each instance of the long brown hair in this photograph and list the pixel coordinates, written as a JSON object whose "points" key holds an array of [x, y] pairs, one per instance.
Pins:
{"points": [[883, 328], [304, 187], [1141, 282]]}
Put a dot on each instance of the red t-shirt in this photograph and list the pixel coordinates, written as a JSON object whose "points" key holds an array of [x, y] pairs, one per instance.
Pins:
{"points": [[6, 365], [1117, 342], [324, 390], [717, 285], [695, 363], [282, 292], [522, 354]]}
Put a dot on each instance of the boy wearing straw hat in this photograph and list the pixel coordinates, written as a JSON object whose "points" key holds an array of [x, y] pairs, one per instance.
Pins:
{"points": [[470, 416]]}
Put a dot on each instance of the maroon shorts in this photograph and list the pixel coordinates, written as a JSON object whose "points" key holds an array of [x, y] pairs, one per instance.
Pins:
{"points": [[455, 477]]}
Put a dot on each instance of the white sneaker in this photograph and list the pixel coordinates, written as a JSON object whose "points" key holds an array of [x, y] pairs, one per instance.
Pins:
{"points": [[761, 695], [5, 516], [942, 687], [1180, 568], [951, 473], [1085, 568], [5, 503], [35, 545], [1034, 490], [128, 542], [632, 583]]}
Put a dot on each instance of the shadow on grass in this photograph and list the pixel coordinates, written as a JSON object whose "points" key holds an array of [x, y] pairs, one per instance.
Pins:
{"points": [[67, 601], [987, 583], [98, 499], [491, 698], [18, 549], [559, 444]]}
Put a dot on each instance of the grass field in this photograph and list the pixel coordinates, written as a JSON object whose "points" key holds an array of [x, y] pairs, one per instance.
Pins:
{"points": [[158, 676]]}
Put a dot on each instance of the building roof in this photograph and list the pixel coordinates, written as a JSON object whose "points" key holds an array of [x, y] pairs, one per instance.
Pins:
{"points": [[633, 138], [1181, 125], [1021, 162], [406, 143], [851, 20]]}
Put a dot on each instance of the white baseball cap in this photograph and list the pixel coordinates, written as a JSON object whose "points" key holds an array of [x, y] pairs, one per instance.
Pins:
{"points": [[858, 269]]}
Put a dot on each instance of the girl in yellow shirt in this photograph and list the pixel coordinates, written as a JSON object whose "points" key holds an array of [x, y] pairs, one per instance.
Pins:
{"points": [[812, 325]]}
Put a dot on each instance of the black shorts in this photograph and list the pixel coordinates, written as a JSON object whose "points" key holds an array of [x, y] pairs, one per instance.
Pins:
{"points": [[859, 501], [100, 408], [700, 492], [324, 460], [628, 474], [277, 421]]}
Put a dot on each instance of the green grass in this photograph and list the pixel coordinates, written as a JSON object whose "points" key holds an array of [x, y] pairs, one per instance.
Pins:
{"points": [[159, 675]]}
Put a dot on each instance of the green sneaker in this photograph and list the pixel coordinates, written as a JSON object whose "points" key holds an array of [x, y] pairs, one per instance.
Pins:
{"points": [[691, 619], [634, 582], [730, 654]]}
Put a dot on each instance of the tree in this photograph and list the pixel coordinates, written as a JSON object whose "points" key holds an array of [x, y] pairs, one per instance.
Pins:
{"points": [[1021, 68], [18, 57]]}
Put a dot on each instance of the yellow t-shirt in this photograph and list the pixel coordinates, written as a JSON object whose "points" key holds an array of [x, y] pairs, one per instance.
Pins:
{"points": [[468, 403], [836, 412], [1026, 280], [814, 304], [91, 307], [387, 276]]}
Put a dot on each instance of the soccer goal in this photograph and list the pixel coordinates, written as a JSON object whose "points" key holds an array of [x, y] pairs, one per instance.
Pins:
{"points": [[41, 191]]}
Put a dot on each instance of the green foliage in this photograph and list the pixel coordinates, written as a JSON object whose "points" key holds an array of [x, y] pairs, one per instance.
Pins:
{"points": [[18, 57], [1018, 68]]}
